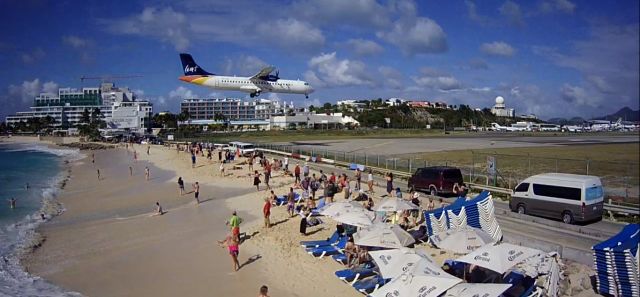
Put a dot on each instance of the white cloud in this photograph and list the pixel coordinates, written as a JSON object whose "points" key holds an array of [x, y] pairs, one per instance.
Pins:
{"points": [[358, 13], [33, 56], [75, 41], [364, 47], [478, 64], [50, 87], [579, 96], [164, 24], [182, 93], [472, 13], [327, 70], [242, 65], [563, 6], [291, 33], [20, 97], [416, 36], [315, 102], [391, 77], [497, 48], [512, 12], [434, 79]]}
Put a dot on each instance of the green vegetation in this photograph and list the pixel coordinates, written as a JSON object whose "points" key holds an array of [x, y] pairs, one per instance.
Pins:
{"points": [[90, 123]]}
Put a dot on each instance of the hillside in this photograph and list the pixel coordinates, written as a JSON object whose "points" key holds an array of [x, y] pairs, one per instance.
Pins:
{"points": [[626, 113]]}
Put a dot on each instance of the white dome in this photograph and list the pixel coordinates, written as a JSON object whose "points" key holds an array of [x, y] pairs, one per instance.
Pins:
{"points": [[499, 100]]}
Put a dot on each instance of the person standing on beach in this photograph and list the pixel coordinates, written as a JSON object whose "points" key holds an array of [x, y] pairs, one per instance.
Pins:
{"points": [[221, 169], [267, 176], [12, 203], [256, 179], [93, 158], [286, 164], [358, 178], [98, 173], [130, 171], [196, 193], [233, 244], [135, 156], [264, 291], [370, 181], [235, 222], [389, 178], [296, 173], [291, 202], [148, 148], [147, 173], [266, 211], [220, 155], [181, 185], [193, 160], [305, 169]]}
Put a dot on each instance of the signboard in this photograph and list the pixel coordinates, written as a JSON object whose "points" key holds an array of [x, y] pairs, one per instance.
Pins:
{"points": [[170, 137], [491, 164]]}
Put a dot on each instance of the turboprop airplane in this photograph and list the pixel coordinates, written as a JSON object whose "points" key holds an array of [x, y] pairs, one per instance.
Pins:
{"points": [[261, 82]]}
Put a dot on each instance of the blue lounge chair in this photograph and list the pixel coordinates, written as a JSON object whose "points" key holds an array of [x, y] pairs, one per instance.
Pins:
{"points": [[335, 237], [368, 285], [330, 250], [351, 276], [340, 258], [521, 285]]}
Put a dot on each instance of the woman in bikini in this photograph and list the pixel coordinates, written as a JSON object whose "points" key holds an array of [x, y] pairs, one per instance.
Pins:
{"points": [[234, 249]]}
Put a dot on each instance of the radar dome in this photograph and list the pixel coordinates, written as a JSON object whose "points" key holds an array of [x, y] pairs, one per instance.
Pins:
{"points": [[499, 100]]}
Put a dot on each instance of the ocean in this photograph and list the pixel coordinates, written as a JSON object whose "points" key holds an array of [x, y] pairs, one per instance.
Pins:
{"points": [[30, 173]]}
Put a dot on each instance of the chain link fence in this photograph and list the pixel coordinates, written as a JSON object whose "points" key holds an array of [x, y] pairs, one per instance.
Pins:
{"points": [[620, 179]]}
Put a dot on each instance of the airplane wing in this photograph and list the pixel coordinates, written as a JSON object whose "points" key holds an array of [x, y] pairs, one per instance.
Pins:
{"points": [[264, 72]]}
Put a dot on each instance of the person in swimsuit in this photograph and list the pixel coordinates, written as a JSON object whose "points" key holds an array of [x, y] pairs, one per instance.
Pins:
{"points": [[256, 179], [12, 203], [370, 181], [181, 185], [233, 245], [291, 202], [147, 173], [389, 183], [196, 188], [431, 205]]}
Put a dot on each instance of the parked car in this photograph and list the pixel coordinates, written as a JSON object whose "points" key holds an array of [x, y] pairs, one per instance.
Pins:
{"points": [[436, 180], [569, 197]]}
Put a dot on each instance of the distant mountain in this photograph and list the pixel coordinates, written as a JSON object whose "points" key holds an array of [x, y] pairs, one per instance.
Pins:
{"points": [[563, 121], [626, 113]]}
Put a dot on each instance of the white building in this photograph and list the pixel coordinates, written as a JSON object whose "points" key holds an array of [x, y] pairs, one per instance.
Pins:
{"points": [[359, 106], [394, 101], [500, 110], [312, 120], [232, 108]]}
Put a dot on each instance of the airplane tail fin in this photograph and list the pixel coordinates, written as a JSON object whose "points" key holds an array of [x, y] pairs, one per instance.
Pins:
{"points": [[190, 67]]}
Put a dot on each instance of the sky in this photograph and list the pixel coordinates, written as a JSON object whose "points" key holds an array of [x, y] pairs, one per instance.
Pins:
{"points": [[552, 58]]}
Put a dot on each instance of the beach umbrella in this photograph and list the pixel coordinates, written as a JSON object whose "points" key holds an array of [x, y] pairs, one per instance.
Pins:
{"points": [[395, 262], [358, 218], [395, 204], [474, 290], [383, 235], [420, 280], [500, 257], [462, 241], [337, 208]]}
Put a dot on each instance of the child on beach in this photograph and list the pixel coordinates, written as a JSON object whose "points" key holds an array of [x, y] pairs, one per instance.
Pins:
{"points": [[147, 173], [232, 243], [159, 210]]}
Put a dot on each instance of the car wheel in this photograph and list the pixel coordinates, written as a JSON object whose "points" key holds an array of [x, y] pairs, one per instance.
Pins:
{"points": [[567, 217], [433, 192], [521, 209]]}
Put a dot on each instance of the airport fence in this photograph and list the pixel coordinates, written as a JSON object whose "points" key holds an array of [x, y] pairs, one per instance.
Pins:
{"points": [[620, 179]]}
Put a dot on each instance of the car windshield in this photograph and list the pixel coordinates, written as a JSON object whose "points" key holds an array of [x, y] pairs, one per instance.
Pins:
{"points": [[594, 193]]}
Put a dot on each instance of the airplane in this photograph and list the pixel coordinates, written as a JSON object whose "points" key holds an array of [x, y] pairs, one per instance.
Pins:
{"points": [[497, 127], [261, 82]]}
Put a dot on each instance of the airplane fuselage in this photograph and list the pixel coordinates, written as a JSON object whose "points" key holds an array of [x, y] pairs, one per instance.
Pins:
{"points": [[249, 85]]}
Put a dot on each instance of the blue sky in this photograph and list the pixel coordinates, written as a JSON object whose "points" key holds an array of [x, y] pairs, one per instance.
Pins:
{"points": [[548, 57]]}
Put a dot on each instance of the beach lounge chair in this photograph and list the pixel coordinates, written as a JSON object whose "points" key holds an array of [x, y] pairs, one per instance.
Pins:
{"points": [[368, 285], [340, 258], [521, 285], [335, 237], [322, 251], [351, 276]]}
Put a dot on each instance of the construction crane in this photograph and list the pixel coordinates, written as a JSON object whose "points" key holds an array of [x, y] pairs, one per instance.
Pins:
{"points": [[104, 78]]}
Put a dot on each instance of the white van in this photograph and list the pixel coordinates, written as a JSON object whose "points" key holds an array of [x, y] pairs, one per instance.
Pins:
{"points": [[246, 149], [570, 197]]}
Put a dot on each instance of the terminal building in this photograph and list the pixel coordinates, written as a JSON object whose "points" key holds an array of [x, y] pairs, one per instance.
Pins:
{"points": [[118, 106], [500, 110]]}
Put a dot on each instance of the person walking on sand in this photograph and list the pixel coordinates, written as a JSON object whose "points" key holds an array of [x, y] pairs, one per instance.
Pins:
{"points": [[286, 164], [267, 176], [291, 202], [147, 173], [233, 244], [370, 181], [196, 193], [148, 148], [181, 185], [93, 158], [358, 178], [305, 170], [389, 178], [135, 156], [12, 203], [193, 160], [98, 170], [221, 169], [266, 211], [234, 222], [296, 173], [264, 291], [256, 179], [130, 171]]}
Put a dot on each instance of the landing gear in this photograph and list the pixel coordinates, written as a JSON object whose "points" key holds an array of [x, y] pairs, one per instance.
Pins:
{"points": [[255, 94], [306, 96]]}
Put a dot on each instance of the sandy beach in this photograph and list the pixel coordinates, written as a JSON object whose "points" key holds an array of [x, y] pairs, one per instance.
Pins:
{"points": [[109, 243]]}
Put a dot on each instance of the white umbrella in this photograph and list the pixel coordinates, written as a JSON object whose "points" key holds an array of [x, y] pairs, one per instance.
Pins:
{"points": [[474, 290], [398, 261], [462, 241], [358, 218], [383, 235], [420, 280], [500, 257], [337, 208], [395, 204]]}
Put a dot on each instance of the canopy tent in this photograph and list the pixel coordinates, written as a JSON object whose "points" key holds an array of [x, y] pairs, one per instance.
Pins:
{"points": [[383, 235], [395, 204], [462, 241], [474, 290], [393, 263], [500, 257], [419, 280]]}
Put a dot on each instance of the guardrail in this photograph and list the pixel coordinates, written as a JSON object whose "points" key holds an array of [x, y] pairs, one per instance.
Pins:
{"points": [[610, 206]]}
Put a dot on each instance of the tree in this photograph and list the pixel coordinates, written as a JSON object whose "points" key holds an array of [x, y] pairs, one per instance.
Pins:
{"points": [[183, 116], [86, 117]]}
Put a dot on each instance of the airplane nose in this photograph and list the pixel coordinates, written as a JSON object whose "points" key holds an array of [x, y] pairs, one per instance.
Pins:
{"points": [[310, 90]]}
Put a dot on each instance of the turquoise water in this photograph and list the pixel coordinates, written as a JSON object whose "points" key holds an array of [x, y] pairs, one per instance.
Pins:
{"points": [[41, 168]]}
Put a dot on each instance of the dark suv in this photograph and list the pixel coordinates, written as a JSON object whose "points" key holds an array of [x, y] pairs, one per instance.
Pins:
{"points": [[435, 180]]}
